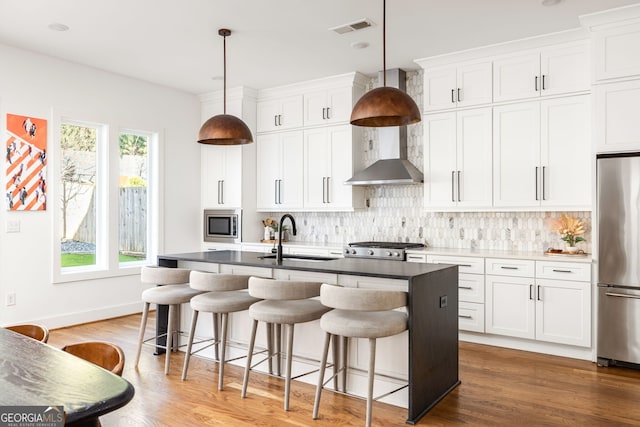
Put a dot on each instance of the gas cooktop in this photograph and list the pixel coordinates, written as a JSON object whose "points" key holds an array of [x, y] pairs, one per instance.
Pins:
{"points": [[380, 250]]}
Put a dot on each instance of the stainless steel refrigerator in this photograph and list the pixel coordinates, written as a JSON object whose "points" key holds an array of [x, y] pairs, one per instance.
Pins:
{"points": [[618, 216]]}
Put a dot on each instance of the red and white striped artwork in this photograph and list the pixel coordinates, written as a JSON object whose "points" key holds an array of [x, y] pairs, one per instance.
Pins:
{"points": [[26, 163]]}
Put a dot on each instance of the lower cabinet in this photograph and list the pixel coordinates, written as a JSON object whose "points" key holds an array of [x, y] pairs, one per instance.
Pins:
{"points": [[552, 310]]}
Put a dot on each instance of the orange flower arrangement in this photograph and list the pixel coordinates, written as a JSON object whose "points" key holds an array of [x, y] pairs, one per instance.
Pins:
{"points": [[570, 228]]}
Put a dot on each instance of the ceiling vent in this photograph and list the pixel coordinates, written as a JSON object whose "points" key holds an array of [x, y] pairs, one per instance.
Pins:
{"points": [[353, 26]]}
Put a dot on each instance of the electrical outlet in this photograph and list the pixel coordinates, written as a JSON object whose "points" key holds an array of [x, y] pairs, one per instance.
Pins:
{"points": [[11, 299], [443, 301]]}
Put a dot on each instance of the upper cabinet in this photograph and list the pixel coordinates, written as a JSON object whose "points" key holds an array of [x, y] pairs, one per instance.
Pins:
{"points": [[328, 106], [552, 70], [461, 85], [457, 161], [280, 113], [539, 154]]}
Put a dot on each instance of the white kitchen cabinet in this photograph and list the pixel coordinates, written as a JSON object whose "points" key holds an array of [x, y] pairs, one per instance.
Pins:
{"points": [[458, 161], [471, 290], [616, 48], [280, 113], [540, 154], [552, 70], [222, 176], [280, 171], [328, 106], [328, 163], [556, 310], [460, 85], [616, 116]]}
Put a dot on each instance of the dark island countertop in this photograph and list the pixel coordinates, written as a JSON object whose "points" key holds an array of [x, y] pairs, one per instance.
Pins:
{"points": [[351, 266]]}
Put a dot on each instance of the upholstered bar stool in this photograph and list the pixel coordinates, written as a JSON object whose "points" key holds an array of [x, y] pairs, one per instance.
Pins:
{"points": [[359, 313], [285, 303], [224, 294], [173, 290]]}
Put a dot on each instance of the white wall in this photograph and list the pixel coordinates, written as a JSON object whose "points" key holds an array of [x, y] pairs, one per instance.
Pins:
{"points": [[41, 86]]}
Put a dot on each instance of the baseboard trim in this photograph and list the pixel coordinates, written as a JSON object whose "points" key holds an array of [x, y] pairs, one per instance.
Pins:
{"points": [[103, 313]]}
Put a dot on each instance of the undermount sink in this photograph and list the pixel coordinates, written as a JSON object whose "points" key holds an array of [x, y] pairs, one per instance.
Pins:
{"points": [[311, 258]]}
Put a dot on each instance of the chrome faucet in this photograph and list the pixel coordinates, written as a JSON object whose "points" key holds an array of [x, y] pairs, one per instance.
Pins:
{"points": [[293, 226]]}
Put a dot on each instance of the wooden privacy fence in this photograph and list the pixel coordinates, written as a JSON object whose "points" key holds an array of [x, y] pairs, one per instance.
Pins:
{"points": [[132, 221]]}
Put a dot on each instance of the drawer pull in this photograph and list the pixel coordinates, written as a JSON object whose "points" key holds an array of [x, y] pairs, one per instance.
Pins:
{"points": [[615, 294], [504, 267], [556, 270], [465, 265], [465, 287], [465, 316]]}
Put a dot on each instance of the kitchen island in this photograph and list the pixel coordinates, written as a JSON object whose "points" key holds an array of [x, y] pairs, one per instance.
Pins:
{"points": [[432, 307]]}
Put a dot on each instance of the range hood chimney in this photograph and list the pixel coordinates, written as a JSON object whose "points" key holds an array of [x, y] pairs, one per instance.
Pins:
{"points": [[393, 166]]}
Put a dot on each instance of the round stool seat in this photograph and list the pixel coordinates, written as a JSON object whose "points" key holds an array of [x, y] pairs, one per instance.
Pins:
{"points": [[287, 311], [364, 324], [222, 301], [169, 294]]}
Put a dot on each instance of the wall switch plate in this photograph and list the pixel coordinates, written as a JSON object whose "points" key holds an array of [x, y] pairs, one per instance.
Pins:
{"points": [[11, 299], [13, 226]]}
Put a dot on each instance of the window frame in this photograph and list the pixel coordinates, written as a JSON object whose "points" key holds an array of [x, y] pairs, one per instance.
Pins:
{"points": [[107, 200]]}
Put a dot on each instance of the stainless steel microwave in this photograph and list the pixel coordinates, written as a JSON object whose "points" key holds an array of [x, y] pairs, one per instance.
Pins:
{"points": [[223, 225]]}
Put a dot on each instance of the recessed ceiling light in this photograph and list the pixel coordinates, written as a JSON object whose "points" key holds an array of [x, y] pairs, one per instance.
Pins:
{"points": [[56, 26], [359, 45], [550, 2]]}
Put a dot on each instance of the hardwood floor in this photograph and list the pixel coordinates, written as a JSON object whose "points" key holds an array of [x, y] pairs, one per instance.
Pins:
{"points": [[499, 387]]}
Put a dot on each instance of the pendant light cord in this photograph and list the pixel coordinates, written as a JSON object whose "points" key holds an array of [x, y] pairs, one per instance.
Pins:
{"points": [[384, 43], [224, 78]]}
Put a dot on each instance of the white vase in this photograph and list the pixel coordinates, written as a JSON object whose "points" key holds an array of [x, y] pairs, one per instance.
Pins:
{"points": [[572, 249]]}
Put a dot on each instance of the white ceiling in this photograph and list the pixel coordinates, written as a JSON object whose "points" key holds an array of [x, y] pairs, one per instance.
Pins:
{"points": [[274, 42]]}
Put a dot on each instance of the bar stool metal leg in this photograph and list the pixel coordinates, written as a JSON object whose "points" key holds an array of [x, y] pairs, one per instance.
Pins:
{"points": [[192, 332], [223, 348], [345, 362], [143, 325], [270, 346], [252, 342], [323, 363], [170, 332], [216, 335], [287, 384], [372, 369], [278, 350]]}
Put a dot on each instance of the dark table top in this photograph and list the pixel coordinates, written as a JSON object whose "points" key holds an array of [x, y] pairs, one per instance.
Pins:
{"points": [[352, 266], [33, 373]]}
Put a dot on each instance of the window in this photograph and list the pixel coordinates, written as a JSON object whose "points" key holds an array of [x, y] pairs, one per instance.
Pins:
{"points": [[106, 198]]}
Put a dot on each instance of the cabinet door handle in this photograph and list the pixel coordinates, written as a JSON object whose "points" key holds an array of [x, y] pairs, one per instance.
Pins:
{"points": [[328, 108], [536, 83], [537, 183], [275, 191], [324, 117], [280, 191], [465, 287], [459, 198], [453, 100], [221, 193], [539, 293], [328, 190], [275, 120], [279, 119], [531, 292], [506, 267], [543, 85], [459, 95], [453, 178], [465, 316], [324, 188], [557, 270], [544, 168]]}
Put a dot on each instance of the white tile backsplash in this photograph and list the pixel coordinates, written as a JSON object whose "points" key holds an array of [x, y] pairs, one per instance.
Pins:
{"points": [[396, 212]]}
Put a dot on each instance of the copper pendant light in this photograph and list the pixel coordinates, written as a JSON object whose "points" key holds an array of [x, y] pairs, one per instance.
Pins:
{"points": [[385, 106], [224, 129]]}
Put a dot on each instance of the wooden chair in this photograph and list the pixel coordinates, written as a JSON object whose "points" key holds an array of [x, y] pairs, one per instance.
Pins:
{"points": [[104, 354], [37, 332]]}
